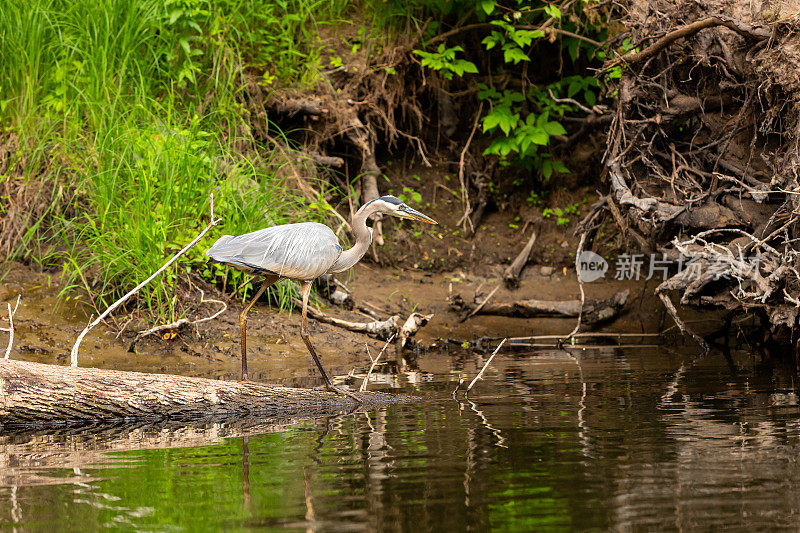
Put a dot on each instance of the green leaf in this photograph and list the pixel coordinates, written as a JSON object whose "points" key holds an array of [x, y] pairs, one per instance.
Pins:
{"points": [[514, 55], [174, 16], [490, 122], [553, 11], [185, 45], [560, 167], [540, 137], [542, 119], [490, 41], [554, 128], [461, 66], [547, 171], [574, 87], [573, 46], [488, 6], [590, 97]]}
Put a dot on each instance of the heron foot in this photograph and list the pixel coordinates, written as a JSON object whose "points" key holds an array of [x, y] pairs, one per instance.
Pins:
{"points": [[333, 388]]}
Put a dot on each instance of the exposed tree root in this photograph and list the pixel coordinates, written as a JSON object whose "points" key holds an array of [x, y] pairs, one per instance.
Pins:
{"points": [[702, 155]]}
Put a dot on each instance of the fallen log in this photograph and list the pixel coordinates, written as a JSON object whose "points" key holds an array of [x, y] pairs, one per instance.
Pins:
{"points": [[40, 394], [594, 311]]}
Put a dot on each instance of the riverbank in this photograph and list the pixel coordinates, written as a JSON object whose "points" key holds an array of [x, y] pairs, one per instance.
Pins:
{"points": [[46, 329]]}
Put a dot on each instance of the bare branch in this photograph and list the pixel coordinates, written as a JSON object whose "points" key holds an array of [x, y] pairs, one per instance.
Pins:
{"points": [[213, 222], [11, 327], [485, 366], [374, 362], [181, 321]]}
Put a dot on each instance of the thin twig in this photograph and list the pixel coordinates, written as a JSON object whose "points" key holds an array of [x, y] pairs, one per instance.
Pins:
{"points": [[374, 362], [480, 374], [480, 305], [461, 180], [213, 222], [579, 336], [181, 321], [574, 102], [11, 327], [458, 386], [580, 285]]}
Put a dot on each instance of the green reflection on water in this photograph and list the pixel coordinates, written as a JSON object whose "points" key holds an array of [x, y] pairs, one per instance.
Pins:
{"points": [[537, 457]]}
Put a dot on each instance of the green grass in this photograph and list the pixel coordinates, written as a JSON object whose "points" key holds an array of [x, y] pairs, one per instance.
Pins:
{"points": [[127, 114]]}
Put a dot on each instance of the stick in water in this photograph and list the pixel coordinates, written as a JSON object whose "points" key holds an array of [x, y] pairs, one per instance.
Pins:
{"points": [[485, 366], [374, 362], [104, 314], [11, 327]]}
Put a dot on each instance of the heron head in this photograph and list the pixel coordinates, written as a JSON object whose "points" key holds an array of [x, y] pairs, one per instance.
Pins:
{"points": [[391, 205]]}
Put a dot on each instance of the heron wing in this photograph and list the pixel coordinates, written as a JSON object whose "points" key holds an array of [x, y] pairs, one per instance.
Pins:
{"points": [[302, 251]]}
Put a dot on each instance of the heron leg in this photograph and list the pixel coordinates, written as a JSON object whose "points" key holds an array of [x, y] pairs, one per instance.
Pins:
{"points": [[268, 280], [306, 291]]}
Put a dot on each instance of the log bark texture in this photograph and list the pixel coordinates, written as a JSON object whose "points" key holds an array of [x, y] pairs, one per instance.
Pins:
{"points": [[39, 394]]}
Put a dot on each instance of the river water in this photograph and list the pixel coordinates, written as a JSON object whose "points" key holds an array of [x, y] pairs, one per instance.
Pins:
{"points": [[590, 439]]}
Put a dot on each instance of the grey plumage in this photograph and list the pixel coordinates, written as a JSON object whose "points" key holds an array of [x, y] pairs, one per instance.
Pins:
{"points": [[302, 251]]}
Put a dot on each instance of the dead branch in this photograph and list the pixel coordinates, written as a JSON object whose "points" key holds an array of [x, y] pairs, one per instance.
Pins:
{"points": [[511, 274], [462, 182], [578, 253], [374, 361], [383, 329], [485, 366], [411, 326], [11, 327], [585, 335], [480, 306], [180, 322], [594, 311], [482, 184], [212, 222], [335, 291], [327, 161], [686, 330], [305, 106]]}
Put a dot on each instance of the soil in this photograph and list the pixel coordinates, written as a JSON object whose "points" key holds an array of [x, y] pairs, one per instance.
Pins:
{"points": [[500, 236]]}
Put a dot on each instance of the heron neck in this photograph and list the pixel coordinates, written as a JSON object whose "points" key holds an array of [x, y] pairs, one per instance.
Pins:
{"points": [[363, 236]]}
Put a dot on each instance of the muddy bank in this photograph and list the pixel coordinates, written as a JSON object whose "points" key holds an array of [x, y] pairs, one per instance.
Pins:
{"points": [[46, 330]]}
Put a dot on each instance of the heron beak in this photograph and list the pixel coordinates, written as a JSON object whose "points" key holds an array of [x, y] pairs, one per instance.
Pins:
{"points": [[413, 214]]}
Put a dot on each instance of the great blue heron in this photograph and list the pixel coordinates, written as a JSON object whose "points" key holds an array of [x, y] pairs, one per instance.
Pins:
{"points": [[302, 252]]}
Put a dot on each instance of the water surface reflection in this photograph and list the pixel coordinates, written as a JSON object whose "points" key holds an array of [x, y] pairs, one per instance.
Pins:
{"points": [[607, 438]]}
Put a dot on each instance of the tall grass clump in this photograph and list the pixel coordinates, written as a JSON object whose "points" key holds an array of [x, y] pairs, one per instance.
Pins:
{"points": [[124, 115]]}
